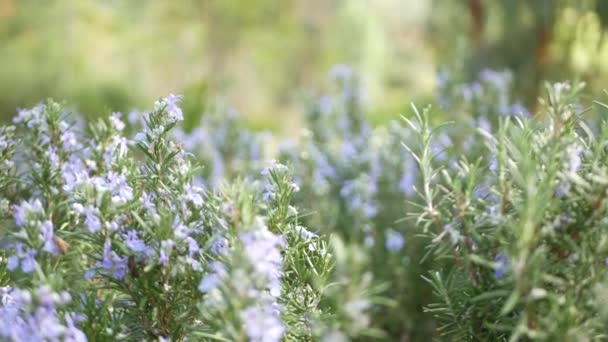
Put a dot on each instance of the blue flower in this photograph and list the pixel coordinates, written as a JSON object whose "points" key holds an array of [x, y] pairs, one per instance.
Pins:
{"points": [[134, 243], [394, 241], [172, 107], [262, 248], [25, 209], [341, 72], [36, 319], [219, 246], [502, 266], [92, 220], [111, 261], [407, 182], [263, 323], [116, 122], [194, 195], [27, 259], [48, 237], [166, 247], [217, 272], [72, 333]]}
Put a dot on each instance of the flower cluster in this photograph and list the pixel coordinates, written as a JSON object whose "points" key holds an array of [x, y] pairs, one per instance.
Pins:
{"points": [[519, 227], [37, 315], [356, 181], [121, 228], [486, 229]]}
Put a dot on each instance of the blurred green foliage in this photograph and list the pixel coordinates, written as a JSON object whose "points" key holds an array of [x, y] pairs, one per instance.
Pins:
{"points": [[260, 54]]}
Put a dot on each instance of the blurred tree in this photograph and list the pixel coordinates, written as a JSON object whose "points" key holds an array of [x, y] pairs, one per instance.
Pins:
{"points": [[523, 36]]}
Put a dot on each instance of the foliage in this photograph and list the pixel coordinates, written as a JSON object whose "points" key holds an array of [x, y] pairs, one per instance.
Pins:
{"points": [[490, 227], [518, 229], [109, 238]]}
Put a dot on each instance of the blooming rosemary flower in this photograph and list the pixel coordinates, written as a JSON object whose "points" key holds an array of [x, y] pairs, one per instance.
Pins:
{"points": [[134, 243], [219, 246], [170, 105], [194, 194], [263, 323], [112, 262], [216, 274], [341, 72], [92, 220], [48, 237], [407, 182], [262, 248], [25, 209], [34, 316], [24, 257], [502, 266], [394, 241], [117, 122]]}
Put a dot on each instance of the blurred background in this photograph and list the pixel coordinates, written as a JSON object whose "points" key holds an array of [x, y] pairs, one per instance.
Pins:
{"points": [[261, 56]]}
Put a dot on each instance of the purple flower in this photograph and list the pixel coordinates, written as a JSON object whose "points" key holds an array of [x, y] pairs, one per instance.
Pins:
{"points": [[33, 117], [172, 107], [12, 262], [134, 243], [28, 263], [306, 234], [53, 157], [370, 210], [519, 110], [493, 164], [341, 72], [117, 184], [69, 141], [263, 323], [219, 246], [107, 256], [148, 203], [180, 231], [406, 184], [193, 194], [471, 91], [349, 151], [72, 333], [193, 247], [116, 122], [262, 248], [217, 272], [120, 268], [74, 174], [562, 189], [26, 208], [499, 80], [166, 246], [89, 274], [48, 237], [484, 124], [274, 167], [394, 241], [27, 259], [23, 320], [326, 104], [502, 266], [92, 220], [111, 261], [119, 148]]}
